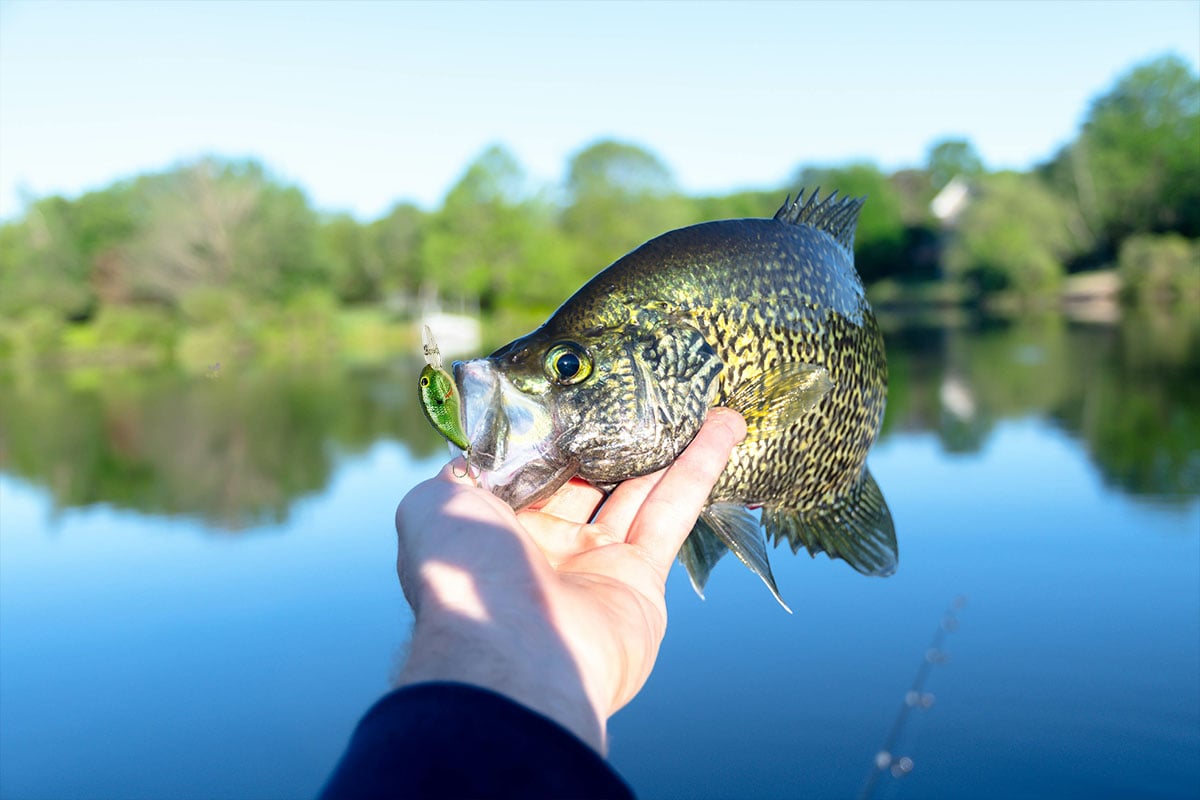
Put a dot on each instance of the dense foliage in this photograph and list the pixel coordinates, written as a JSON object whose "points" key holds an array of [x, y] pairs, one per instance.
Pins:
{"points": [[215, 240]]}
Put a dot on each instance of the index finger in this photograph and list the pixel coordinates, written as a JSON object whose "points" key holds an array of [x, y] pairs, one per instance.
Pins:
{"points": [[671, 508]]}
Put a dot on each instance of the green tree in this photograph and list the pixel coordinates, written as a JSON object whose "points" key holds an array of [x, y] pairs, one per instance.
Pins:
{"points": [[1135, 165], [618, 196], [949, 158], [738, 205], [57, 257], [354, 263], [276, 252], [479, 242], [1015, 235], [43, 264], [218, 224], [396, 240]]}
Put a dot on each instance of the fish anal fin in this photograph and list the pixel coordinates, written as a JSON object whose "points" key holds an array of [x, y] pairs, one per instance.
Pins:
{"points": [[859, 530], [772, 400], [739, 530]]}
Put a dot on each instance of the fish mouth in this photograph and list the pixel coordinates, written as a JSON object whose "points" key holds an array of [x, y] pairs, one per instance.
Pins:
{"points": [[512, 436]]}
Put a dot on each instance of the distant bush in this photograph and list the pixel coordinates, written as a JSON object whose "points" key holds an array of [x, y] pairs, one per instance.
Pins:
{"points": [[304, 329], [1013, 237], [210, 305], [1160, 267], [35, 335], [142, 326]]}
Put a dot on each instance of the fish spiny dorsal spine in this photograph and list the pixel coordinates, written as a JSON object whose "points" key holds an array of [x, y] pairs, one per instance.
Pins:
{"points": [[838, 218]]}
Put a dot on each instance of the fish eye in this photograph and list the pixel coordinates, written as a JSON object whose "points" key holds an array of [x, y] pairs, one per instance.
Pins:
{"points": [[567, 363], [424, 380]]}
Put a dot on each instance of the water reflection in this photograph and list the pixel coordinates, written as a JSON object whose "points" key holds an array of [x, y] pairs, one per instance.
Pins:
{"points": [[234, 450], [1130, 393], [238, 448]]}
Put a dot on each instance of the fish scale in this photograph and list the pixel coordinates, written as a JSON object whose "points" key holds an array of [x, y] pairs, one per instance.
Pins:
{"points": [[833, 439]]}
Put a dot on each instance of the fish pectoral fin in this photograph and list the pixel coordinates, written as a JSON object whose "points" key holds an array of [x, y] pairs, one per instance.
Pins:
{"points": [[700, 553], [858, 530], [773, 400], [736, 528]]}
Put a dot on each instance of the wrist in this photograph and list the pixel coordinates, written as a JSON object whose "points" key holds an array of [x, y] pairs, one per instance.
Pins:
{"points": [[517, 655]]}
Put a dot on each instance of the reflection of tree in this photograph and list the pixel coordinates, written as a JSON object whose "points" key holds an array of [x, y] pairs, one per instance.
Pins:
{"points": [[914, 355], [1143, 440], [1140, 414], [235, 449], [1131, 393], [239, 448]]}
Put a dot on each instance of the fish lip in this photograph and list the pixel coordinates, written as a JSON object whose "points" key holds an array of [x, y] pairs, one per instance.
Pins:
{"points": [[483, 422]]}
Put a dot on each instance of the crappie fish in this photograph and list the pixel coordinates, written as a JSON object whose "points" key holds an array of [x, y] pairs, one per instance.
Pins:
{"points": [[765, 316]]}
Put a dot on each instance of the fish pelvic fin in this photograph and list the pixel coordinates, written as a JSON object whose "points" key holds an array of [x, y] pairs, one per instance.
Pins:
{"points": [[838, 218], [700, 553], [736, 529], [775, 399], [859, 530]]}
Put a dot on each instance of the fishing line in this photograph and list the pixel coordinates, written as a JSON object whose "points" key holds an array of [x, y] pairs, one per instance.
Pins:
{"points": [[915, 697]]}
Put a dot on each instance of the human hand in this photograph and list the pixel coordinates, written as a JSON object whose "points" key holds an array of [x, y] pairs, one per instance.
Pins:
{"points": [[561, 606]]}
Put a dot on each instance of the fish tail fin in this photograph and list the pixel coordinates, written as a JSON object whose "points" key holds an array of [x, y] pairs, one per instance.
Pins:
{"points": [[727, 526], [858, 530]]}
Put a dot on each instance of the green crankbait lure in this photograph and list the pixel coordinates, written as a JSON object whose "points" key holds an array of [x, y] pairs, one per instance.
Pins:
{"points": [[439, 397]]}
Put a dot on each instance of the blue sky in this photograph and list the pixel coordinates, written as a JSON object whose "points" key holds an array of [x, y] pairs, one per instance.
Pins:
{"points": [[365, 104]]}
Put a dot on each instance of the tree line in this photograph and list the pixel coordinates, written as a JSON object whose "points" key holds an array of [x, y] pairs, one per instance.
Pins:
{"points": [[216, 235]]}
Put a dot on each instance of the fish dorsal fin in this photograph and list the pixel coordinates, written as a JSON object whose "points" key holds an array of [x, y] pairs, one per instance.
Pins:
{"points": [[738, 529], [858, 530], [838, 218], [774, 399]]}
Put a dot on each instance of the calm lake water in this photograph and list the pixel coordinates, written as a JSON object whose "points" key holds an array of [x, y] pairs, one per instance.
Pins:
{"points": [[197, 596]]}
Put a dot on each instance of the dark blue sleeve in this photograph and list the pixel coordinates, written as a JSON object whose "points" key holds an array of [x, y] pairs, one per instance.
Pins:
{"points": [[449, 740]]}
